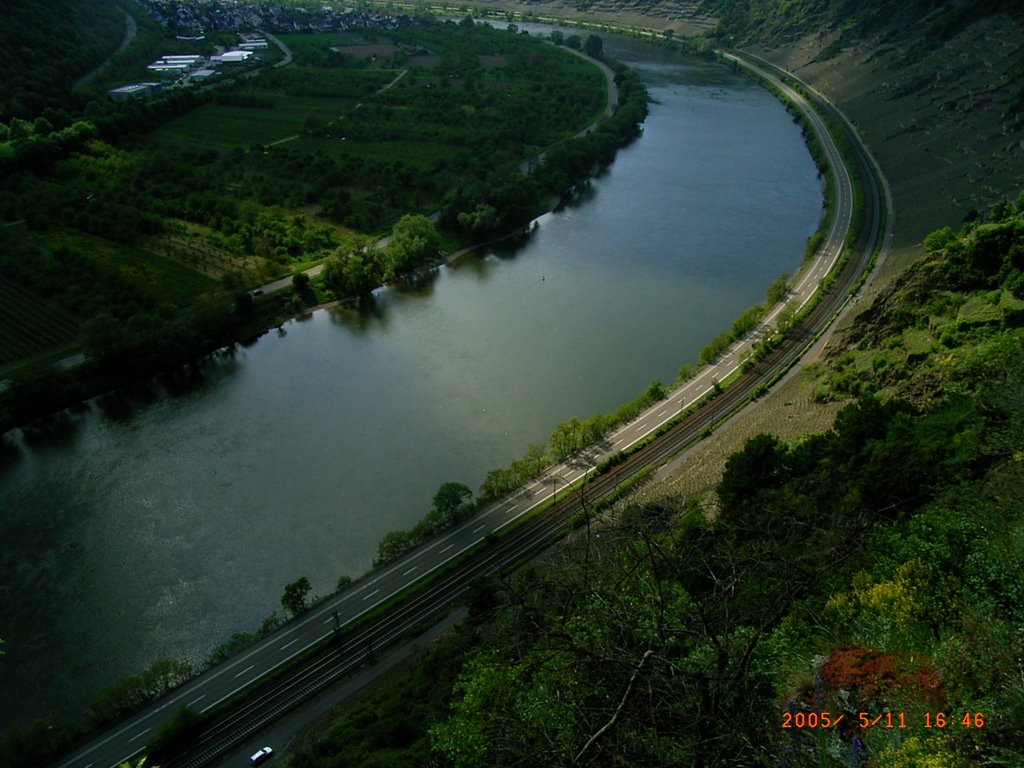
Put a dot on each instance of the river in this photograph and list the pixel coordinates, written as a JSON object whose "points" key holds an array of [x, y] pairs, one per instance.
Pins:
{"points": [[156, 524]]}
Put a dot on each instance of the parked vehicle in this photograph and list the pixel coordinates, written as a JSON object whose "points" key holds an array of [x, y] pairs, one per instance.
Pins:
{"points": [[262, 756]]}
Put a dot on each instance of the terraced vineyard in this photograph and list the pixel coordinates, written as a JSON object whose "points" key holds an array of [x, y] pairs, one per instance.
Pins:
{"points": [[29, 325]]}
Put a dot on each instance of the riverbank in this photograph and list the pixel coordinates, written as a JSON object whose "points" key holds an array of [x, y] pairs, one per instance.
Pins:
{"points": [[53, 389], [942, 164]]}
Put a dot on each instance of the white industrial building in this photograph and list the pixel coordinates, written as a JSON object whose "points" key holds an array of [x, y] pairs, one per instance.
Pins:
{"points": [[176, 63], [167, 66], [133, 91], [232, 57]]}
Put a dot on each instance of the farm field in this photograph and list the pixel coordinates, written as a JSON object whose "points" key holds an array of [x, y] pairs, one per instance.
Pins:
{"points": [[30, 325], [281, 106], [226, 127], [162, 280], [309, 45]]}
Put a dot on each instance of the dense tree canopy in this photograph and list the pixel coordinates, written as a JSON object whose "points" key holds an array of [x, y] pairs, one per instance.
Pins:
{"points": [[46, 45]]}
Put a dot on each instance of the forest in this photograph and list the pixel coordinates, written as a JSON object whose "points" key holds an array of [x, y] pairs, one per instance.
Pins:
{"points": [[45, 46]]}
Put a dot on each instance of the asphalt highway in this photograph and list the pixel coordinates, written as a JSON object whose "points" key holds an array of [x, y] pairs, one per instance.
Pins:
{"points": [[462, 554]]}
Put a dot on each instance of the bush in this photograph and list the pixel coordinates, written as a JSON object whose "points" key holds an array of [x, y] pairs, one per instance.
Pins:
{"points": [[178, 732]]}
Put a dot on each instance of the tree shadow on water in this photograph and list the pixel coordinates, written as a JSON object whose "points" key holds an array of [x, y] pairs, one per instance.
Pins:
{"points": [[56, 430], [10, 453], [419, 283], [368, 313]]}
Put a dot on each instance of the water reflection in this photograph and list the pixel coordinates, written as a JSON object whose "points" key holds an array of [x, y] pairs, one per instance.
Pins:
{"points": [[125, 404], [10, 452], [58, 429], [368, 313], [419, 283], [506, 249]]}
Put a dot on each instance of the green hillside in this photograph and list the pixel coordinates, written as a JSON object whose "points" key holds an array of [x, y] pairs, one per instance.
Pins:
{"points": [[46, 45]]}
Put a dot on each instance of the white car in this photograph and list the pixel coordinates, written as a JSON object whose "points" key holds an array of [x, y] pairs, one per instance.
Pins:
{"points": [[262, 756]]}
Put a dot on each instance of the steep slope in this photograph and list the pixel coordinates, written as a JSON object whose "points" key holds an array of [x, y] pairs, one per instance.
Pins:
{"points": [[943, 115], [778, 21], [45, 45]]}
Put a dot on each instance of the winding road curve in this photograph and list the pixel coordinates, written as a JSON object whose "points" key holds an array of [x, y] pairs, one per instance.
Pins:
{"points": [[130, 30], [462, 554]]}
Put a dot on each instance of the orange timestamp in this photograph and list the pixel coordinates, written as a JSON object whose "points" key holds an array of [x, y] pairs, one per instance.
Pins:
{"points": [[885, 720]]}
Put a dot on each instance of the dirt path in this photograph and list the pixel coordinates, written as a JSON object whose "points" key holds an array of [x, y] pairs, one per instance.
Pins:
{"points": [[340, 117], [613, 101]]}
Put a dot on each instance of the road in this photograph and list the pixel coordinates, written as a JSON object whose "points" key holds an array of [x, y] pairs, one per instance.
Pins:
{"points": [[613, 101], [458, 556], [130, 30], [284, 49]]}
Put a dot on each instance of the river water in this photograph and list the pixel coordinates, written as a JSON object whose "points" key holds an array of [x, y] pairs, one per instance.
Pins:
{"points": [[156, 524]]}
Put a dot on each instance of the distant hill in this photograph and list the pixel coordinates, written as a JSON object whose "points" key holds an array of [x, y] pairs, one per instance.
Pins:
{"points": [[45, 45], [775, 22]]}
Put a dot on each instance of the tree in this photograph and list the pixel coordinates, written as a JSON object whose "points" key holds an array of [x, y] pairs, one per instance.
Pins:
{"points": [[334, 273], [19, 129], [42, 127], [761, 464], [483, 218], [938, 239], [182, 729], [567, 438], [450, 502], [294, 597], [362, 274], [313, 123], [574, 41], [594, 46], [393, 546], [414, 241], [556, 37], [654, 392], [777, 291]]}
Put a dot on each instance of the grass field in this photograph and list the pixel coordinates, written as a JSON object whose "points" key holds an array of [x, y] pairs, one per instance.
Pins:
{"points": [[29, 325], [224, 126], [153, 275], [304, 44]]}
